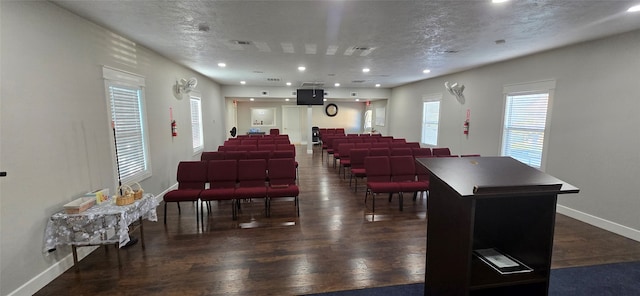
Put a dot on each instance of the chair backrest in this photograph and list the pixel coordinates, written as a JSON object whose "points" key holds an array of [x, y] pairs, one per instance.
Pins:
{"points": [[380, 145], [357, 157], [232, 142], [192, 174], [252, 172], [387, 139], [397, 145], [235, 155], [274, 131], [344, 148], [258, 154], [413, 145], [223, 173], [282, 171], [266, 147], [244, 147], [211, 155], [352, 135], [401, 151], [441, 151], [378, 168], [421, 152], [379, 152], [421, 172], [282, 154], [340, 131], [249, 142], [402, 168], [470, 155], [399, 140], [337, 141], [362, 146], [369, 139]]}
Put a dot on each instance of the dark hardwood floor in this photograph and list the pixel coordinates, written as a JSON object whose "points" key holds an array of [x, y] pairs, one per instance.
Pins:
{"points": [[335, 244]]}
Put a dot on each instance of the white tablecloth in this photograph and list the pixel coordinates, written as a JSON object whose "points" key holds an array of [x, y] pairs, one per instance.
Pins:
{"points": [[106, 223]]}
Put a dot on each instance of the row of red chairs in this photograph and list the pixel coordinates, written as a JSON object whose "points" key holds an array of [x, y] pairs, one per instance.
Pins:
{"points": [[330, 131], [257, 140], [393, 174], [234, 180], [330, 144], [258, 147], [237, 155], [272, 132], [342, 148]]}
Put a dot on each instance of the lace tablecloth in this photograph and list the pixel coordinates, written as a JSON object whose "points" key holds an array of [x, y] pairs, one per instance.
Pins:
{"points": [[106, 223]]}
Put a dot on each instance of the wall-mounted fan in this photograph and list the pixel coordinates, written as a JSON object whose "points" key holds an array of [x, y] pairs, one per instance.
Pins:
{"points": [[456, 90], [183, 87], [233, 132]]}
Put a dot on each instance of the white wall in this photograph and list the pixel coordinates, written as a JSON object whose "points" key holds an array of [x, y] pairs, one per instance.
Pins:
{"points": [[593, 139], [350, 116], [55, 126]]}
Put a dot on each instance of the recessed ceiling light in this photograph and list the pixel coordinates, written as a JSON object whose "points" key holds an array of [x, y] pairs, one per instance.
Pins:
{"points": [[243, 82], [357, 100], [377, 84], [251, 99], [426, 71], [634, 8], [324, 100], [286, 100], [499, 1], [222, 65], [366, 70], [288, 83], [302, 68], [337, 84]]}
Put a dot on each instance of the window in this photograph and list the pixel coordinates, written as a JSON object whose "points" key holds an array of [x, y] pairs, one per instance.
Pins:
{"points": [[430, 121], [196, 125], [367, 119], [125, 95], [524, 127]]}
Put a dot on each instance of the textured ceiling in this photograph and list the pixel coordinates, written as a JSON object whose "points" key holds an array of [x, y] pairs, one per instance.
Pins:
{"points": [[336, 39]]}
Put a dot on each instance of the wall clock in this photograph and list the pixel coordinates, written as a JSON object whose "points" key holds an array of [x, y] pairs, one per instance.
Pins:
{"points": [[331, 110]]}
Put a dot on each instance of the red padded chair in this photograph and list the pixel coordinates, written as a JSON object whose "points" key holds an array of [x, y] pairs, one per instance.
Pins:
{"points": [[244, 147], [249, 142], [212, 155], [274, 132], [379, 152], [222, 176], [192, 176], [401, 152], [421, 152], [357, 165], [403, 171], [252, 175], [258, 155], [283, 154], [413, 145], [341, 151], [470, 155], [378, 171], [237, 155], [441, 151], [266, 147], [380, 145], [282, 182]]}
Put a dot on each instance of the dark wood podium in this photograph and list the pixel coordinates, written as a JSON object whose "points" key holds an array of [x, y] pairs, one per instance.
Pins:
{"points": [[496, 203]]}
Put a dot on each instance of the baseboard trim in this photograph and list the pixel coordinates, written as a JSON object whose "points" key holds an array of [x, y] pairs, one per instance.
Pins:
{"points": [[56, 269], [38, 282], [616, 228]]}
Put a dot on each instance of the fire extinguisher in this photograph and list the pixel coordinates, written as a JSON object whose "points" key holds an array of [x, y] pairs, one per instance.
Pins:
{"points": [[466, 127], [174, 129]]}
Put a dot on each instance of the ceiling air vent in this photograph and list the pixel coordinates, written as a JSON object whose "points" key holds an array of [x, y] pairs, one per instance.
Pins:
{"points": [[273, 79], [354, 94], [264, 93], [357, 81], [241, 42], [312, 84], [293, 93]]}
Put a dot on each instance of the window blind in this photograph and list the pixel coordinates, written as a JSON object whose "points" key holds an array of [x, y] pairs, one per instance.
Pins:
{"points": [[127, 118], [196, 125], [430, 122], [524, 127]]}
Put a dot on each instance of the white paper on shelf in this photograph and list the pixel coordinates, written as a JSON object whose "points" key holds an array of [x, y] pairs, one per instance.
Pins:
{"points": [[497, 258]]}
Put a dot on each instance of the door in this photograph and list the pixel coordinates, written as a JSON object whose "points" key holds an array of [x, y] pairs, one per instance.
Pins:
{"points": [[291, 123]]}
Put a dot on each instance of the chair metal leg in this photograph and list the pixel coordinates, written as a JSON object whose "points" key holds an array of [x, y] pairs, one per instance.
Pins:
{"points": [[165, 213], [400, 198]]}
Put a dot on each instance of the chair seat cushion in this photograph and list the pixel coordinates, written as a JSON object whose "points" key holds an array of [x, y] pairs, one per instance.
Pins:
{"points": [[383, 187], [413, 186], [182, 195], [359, 172], [282, 191], [218, 194], [250, 192]]}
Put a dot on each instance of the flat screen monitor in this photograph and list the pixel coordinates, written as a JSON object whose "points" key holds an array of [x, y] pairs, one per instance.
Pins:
{"points": [[310, 96]]}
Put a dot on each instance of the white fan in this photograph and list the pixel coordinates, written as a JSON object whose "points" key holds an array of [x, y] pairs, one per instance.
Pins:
{"points": [[456, 90], [183, 87]]}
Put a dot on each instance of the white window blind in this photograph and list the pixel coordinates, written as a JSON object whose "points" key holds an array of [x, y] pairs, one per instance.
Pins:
{"points": [[367, 119], [430, 122], [196, 125], [129, 128], [524, 127]]}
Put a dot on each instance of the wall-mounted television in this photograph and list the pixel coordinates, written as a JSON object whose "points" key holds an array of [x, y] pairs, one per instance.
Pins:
{"points": [[310, 96]]}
